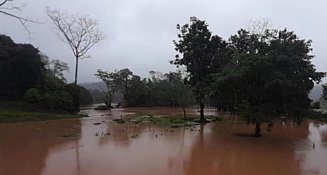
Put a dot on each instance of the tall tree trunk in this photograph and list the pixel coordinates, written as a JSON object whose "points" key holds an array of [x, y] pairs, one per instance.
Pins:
{"points": [[76, 97], [202, 119], [184, 112], [106, 102], [76, 70], [257, 131], [109, 104], [77, 91], [109, 100]]}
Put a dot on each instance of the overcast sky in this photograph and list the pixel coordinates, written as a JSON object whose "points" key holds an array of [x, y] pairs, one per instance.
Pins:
{"points": [[139, 33]]}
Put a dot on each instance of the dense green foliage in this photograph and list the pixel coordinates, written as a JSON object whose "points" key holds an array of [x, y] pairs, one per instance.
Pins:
{"points": [[260, 74], [202, 54], [21, 68], [270, 73], [324, 91], [27, 75], [85, 97], [165, 90]]}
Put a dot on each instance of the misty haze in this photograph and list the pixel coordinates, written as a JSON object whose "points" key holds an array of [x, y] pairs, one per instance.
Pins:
{"points": [[140, 87]]}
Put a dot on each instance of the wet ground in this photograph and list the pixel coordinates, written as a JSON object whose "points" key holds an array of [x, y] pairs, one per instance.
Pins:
{"points": [[79, 147]]}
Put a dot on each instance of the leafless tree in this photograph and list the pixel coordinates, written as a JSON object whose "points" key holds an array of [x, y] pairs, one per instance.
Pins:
{"points": [[81, 33], [8, 8], [259, 26], [262, 27]]}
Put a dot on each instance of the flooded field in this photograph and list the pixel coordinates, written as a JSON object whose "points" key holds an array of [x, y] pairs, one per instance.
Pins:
{"points": [[99, 146]]}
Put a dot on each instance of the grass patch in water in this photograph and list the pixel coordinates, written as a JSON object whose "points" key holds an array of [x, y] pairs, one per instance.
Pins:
{"points": [[119, 120], [171, 121]]}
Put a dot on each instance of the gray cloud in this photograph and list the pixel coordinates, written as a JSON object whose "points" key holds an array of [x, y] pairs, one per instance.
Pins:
{"points": [[139, 33]]}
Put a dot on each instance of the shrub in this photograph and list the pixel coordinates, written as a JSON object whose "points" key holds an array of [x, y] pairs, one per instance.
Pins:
{"points": [[33, 96]]}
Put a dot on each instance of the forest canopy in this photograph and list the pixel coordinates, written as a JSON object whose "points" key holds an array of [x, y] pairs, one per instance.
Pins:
{"points": [[27, 75]]}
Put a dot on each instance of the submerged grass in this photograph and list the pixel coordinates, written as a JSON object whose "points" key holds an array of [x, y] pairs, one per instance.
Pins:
{"points": [[171, 121]]}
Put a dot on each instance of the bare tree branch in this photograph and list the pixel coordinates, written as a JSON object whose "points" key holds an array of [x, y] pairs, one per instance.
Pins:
{"points": [[4, 2], [81, 33], [260, 27], [10, 7]]}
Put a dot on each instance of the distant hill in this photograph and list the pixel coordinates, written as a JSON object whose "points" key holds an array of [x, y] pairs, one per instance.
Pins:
{"points": [[97, 90], [316, 93], [94, 86]]}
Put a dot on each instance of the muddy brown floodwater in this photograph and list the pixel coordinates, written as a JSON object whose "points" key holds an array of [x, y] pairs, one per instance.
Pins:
{"points": [[78, 147]]}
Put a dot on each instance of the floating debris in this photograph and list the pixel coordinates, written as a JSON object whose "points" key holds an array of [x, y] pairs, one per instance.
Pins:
{"points": [[69, 135], [84, 115]]}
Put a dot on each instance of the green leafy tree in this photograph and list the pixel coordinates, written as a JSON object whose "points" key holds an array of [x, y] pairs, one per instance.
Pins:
{"points": [[113, 83], [270, 74], [137, 93], [202, 54], [180, 93], [125, 76]]}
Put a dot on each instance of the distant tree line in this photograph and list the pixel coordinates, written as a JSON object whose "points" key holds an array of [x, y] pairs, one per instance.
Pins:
{"points": [[160, 90], [260, 74], [27, 75]]}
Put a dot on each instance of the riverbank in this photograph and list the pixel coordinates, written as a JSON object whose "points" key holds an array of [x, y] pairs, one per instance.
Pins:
{"points": [[13, 116], [20, 111]]}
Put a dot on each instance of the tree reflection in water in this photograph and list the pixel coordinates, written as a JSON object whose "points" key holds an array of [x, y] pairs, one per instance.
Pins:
{"points": [[25, 147]]}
